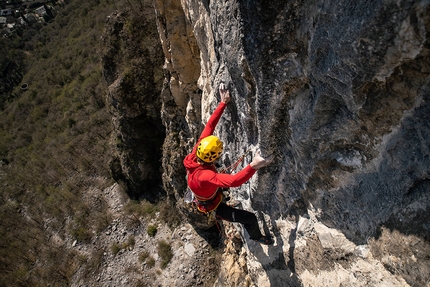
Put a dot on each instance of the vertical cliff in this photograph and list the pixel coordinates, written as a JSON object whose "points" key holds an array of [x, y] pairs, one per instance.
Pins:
{"points": [[339, 93], [180, 94], [132, 60]]}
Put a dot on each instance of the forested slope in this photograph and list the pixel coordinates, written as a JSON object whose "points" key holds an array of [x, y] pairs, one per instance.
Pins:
{"points": [[53, 146]]}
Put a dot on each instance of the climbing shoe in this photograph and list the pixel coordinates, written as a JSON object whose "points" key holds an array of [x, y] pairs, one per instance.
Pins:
{"points": [[267, 240]]}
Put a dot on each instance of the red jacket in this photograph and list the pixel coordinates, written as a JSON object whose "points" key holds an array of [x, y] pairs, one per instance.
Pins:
{"points": [[204, 180]]}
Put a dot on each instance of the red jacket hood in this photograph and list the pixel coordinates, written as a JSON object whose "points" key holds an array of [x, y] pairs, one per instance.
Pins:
{"points": [[190, 162]]}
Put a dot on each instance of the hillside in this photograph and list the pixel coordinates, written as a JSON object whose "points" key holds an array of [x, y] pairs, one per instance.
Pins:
{"points": [[54, 142]]}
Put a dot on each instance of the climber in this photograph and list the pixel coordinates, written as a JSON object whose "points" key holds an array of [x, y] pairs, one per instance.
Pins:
{"points": [[205, 182]]}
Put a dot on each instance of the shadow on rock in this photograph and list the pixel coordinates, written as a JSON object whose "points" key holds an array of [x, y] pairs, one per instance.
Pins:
{"points": [[279, 270]]}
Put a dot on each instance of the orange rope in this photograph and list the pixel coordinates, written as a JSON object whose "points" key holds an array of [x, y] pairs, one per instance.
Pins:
{"points": [[235, 164]]}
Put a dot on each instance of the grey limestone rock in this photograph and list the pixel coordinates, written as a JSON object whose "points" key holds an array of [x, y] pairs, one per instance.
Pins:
{"points": [[339, 92]]}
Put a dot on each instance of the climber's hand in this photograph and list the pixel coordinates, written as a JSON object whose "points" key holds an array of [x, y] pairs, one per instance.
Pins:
{"points": [[259, 162], [224, 93]]}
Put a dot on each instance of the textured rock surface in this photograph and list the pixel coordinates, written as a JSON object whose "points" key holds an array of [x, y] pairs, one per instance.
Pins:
{"points": [[132, 60], [180, 94], [339, 92]]}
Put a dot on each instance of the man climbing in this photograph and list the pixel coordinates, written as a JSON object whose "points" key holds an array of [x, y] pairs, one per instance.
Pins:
{"points": [[204, 180]]}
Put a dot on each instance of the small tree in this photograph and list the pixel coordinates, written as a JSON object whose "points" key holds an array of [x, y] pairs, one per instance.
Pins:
{"points": [[151, 230]]}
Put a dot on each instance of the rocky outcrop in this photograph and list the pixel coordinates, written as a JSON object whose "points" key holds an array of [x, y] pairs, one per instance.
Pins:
{"points": [[132, 65], [339, 93], [180, 95]]}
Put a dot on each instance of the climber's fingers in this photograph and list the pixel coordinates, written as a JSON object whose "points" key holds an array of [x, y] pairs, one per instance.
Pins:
{"points": [[224, 93]]}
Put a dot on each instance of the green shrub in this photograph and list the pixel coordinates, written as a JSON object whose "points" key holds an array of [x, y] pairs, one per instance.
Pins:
{"points": [[82, 258], [142, 208], [151, 230], [143, 255], [115, 248], [102, 220], [81, 233], [148, 259], [131, 241], [150, 262], [165, 252]]}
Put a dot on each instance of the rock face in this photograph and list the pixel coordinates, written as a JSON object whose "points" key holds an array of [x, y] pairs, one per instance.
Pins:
{"points": [[180, 95], [132, 65], [339, 93]]}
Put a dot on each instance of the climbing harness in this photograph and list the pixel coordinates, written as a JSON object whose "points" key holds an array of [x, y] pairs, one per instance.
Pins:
{"points": [[203, 214], [206, 206]]}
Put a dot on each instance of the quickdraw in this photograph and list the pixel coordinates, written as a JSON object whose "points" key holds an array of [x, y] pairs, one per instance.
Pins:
{"points": [[232, 167]]}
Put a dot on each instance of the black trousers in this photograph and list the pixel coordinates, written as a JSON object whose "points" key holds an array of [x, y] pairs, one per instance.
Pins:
{"points": [[248, 219]]}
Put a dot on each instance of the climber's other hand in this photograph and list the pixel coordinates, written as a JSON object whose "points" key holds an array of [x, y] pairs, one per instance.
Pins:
{"points": [[259, 162], [224, 93]]}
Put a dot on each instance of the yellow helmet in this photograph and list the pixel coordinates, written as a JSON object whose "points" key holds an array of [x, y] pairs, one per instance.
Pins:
{"points": [[210, 148]]}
